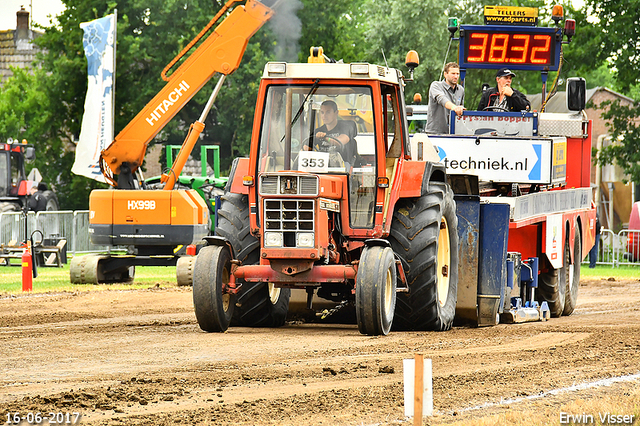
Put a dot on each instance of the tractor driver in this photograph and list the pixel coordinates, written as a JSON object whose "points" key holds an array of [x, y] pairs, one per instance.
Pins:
{"points": [[338, 133]]}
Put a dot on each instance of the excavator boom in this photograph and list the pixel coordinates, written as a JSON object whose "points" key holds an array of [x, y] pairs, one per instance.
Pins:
{"points": [[220, 52]]}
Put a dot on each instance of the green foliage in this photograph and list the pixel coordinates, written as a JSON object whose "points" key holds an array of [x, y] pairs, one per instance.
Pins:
{"points": [[21, 108], [624, 129], [611, 43], [395, 27], [336, 25], [619, 32], [46, 106], [579, 56]]}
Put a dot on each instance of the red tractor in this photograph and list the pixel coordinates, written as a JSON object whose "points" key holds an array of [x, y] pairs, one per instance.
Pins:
{"points": [[15, 188], [345, 214]]}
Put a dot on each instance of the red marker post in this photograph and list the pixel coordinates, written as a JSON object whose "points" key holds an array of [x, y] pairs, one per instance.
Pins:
{"points": [[27, 270]]}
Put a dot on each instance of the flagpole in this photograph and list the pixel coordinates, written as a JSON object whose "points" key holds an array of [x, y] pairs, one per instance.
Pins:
{"points": [[113, 77]]}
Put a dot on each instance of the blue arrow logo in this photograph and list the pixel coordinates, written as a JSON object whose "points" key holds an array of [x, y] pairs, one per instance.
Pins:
{"points": [[536, 171]]}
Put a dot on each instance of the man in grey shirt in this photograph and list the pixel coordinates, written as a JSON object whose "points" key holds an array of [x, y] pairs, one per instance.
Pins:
{"points": [[444, 95]]}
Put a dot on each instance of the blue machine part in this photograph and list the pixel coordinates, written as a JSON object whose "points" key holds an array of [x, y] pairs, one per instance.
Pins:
{"points": [[529, 281], [529, 273], [510, 272], [217, 207], [537, 167], [468, 212], [492, 256]]}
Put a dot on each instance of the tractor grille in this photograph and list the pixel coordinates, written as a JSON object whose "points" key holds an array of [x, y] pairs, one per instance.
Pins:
{"points": [[289, 185], [269, 185], [291, 218]]}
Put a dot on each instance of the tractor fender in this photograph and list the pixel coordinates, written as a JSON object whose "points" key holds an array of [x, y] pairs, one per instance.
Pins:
{"points": [[239, 168], [212, 240], [433, 172], [377, 242]]}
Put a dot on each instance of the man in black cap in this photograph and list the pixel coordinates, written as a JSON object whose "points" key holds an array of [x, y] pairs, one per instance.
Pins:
{"points": [[37, 200], [503, 97]]}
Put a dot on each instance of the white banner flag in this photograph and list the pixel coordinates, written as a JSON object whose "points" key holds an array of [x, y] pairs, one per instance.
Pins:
{"points": [[96, 133]]}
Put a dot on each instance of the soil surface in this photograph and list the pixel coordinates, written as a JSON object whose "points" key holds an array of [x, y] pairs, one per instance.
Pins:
{"points": [[139, 358]]}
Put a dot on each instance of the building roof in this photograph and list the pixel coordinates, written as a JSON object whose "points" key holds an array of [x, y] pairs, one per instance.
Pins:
{"points": [[16, 47], [558, 103]]}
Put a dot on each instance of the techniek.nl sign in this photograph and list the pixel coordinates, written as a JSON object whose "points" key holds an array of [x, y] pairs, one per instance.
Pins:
{"points": [[497, 160]]}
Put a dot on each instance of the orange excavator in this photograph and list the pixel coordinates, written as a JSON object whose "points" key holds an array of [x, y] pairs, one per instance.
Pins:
{"points": [[151, 223]]}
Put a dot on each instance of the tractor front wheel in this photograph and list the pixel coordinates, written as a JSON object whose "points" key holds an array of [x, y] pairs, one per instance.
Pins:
{"points": [[212, 299], [376, 291], [51, 204], [257, 304]]}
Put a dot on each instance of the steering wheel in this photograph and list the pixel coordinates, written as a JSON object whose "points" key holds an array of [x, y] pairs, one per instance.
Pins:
{"points": [[495, 108], [330, 141], [326, 144]]}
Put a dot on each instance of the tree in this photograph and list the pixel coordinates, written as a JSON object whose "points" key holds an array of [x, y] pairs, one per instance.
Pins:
{"points": [[613, 43], [150, 34], [618, 22], [625, 133], [27, 111], [337, 26]]}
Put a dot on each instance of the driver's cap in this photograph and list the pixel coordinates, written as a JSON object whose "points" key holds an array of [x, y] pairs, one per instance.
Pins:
{"points": [[503, 72]]}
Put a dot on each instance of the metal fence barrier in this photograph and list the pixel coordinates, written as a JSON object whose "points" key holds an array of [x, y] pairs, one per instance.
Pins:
{"points": [[618, 249], [70, 225], [629, 252]]}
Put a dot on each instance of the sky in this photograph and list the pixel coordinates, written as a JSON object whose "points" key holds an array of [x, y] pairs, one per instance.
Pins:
{"points": [[41, 8]]}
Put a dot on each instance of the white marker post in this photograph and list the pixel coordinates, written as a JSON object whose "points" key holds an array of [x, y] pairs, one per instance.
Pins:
{"points": [[418, 388]]}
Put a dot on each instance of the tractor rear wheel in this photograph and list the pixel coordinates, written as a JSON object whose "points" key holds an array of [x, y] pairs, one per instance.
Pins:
{"points": [[573, 275], [257, 304], [424, 235], [52, 201], [212, 300], [376, 291]]}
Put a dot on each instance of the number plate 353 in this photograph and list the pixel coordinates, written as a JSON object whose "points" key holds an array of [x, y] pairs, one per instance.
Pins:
{"points": [[313, 161]]}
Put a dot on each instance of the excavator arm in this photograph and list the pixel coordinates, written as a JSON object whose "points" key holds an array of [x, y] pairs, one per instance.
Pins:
{"points": [[220, 52]]}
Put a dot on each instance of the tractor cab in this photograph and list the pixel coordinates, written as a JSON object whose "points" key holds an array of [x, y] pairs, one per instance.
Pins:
{"points": [[317, 136]]}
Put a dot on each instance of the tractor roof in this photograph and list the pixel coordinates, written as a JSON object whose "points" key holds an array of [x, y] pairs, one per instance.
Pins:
{"points": [[357, 71]]}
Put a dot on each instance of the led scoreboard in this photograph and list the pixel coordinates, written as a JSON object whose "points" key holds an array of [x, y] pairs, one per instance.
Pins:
{"points": [[529, 48]]}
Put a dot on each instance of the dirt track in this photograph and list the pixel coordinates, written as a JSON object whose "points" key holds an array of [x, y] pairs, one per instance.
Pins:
{"points": [[139, 357]]}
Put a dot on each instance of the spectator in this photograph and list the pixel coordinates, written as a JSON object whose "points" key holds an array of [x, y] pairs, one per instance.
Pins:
{"points": [[444, 95], [37, 199], [593, 253], [503, 96]]}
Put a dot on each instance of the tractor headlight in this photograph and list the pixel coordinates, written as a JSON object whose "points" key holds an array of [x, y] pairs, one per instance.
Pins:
{"points": [[273, 239], [305, 239]]}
